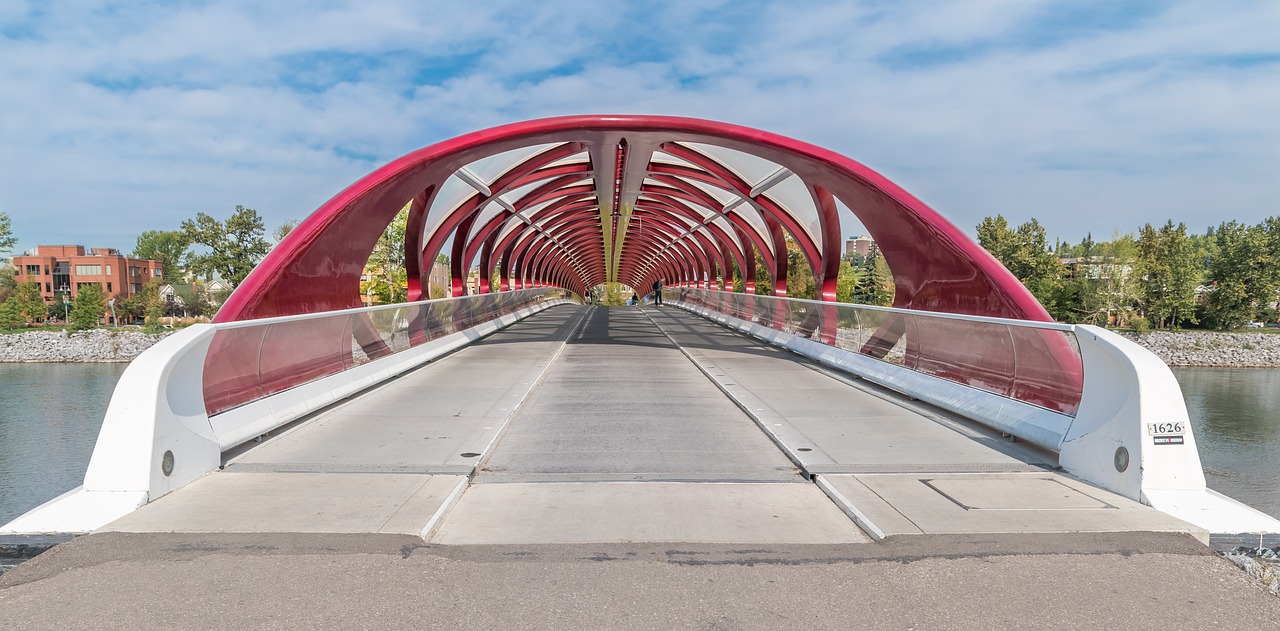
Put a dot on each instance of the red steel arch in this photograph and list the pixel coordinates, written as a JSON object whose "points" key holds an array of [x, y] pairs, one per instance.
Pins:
{"points": [[629, 199]]}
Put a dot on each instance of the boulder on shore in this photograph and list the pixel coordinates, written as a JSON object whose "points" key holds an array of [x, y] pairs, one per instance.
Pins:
{"points": [[94, 345], [1207, 348]]}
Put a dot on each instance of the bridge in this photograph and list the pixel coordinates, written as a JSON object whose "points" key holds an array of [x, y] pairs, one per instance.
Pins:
{"points": [[722, 426]]}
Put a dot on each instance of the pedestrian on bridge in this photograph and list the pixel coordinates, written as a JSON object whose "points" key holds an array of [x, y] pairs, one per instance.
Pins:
{"points": [[657, 292]]}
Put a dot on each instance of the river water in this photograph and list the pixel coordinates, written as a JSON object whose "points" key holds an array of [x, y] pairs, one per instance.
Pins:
{"points": [[50, 415], [1235, 414], [49, 420]]}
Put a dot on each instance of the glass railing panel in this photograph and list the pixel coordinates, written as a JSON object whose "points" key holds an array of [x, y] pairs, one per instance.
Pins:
{"points": [[294, 353], [1032, 362], [250, 360], [397, 327], [882, 335], [358, 355], [976, 354], [372, 333], [1050, 370], [231, 368]]}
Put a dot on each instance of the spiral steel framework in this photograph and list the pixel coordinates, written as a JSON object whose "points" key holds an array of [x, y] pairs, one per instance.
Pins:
{"points": [[581, 200]]}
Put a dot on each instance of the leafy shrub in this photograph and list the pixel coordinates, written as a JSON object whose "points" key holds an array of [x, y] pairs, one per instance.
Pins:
{"points": [[87, 307], [11, 314], [1141, 325]]}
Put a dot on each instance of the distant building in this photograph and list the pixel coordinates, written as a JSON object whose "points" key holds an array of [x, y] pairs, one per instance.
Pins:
{"points": [[367, 277], [473, 282], [1095, 268], [61, 270], [214, 291], [861, 245], [439, 278]]}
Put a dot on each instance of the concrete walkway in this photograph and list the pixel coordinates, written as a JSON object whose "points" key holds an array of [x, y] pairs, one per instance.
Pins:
{"points": [[599, 425], [625, 440], [894, 465], [389, 461], [635, 468]]}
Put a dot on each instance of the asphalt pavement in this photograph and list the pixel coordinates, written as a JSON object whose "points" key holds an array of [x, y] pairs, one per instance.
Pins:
{"points": [[1128, 581]]}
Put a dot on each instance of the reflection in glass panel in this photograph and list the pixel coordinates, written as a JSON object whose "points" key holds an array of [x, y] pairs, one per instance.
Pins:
{"points": [[245, 363], [300, 351], [748, 213], [512, 226], [793, 195], [977, 354], [488, 169], [749, 167], [487, 212], [667, 158], [577, 158], [514, 195], [1037, 366], [1050, 371], [452, 192], [722, 195], [724, 225]]}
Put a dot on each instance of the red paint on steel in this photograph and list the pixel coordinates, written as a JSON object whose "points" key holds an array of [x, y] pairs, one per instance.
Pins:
{"points": [[318, 265]]}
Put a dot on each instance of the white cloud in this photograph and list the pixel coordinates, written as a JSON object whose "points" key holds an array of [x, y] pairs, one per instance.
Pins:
{"points": [[123, 117]]}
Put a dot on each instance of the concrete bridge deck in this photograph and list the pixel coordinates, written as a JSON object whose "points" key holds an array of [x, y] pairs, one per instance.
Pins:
{"points": [[594, 424], [635, 468]]}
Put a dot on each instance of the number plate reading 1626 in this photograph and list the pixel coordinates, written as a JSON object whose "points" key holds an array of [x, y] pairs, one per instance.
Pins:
{"points": [[1165, 428]]}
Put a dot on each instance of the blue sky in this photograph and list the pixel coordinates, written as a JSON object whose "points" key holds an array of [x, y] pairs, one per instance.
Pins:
{"points": [[119, 117]]}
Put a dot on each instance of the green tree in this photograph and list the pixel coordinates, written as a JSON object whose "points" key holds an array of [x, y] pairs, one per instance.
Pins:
{"points": [[283, 230], [154, 303], [800, 281], [147, 304], [385, 270], [1243, 272], [167, 246], [1168, 274], [7, 240], [11, 314], [7, 281], [234, 247], [1025, 253], [30, 303], [611, 294], [764, 286], [875, 283], [87, 307], [190, 300], [847, 281], [997, 238], [1065, 299], [880, 280], [852, 258], [1109, 292]]}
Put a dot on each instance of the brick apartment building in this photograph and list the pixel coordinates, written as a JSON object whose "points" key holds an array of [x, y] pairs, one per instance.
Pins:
{"points": [[861, 245], [64, 269]]}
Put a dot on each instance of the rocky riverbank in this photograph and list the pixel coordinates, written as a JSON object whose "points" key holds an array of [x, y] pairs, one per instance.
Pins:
{"points": [[1205, 348], [1187, 348], [97, 345]]}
